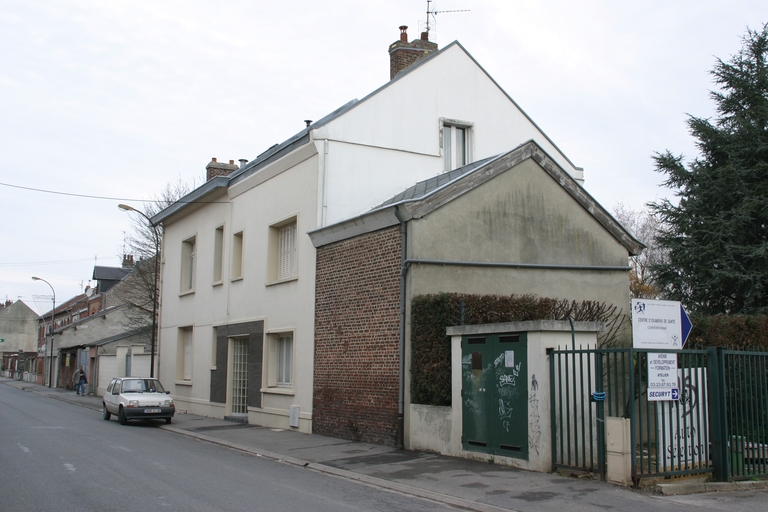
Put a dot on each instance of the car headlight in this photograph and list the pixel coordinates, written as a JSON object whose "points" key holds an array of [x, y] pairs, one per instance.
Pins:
{"points": [[133, 403], [169, 403]]}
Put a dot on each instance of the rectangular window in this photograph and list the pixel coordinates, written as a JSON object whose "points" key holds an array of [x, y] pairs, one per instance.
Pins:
{"points": [[218, 255], [456, 141], [282, 256], [237, 255], [280, 360], [188, 264], [184, 354], [285, 361]]}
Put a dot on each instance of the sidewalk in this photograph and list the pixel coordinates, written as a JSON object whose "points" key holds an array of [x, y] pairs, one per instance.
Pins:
{"points": [[468, 484]]}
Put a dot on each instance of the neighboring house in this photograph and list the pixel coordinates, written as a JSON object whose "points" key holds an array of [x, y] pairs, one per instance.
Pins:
{"points": [[238, 278], [75, 326], [18, 333], [105, 345], [512, 224], [63, 315]]}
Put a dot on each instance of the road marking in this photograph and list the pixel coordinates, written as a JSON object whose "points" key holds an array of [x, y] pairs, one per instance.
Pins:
{"points": [[24, 449], [124, 448], [69, 466]]}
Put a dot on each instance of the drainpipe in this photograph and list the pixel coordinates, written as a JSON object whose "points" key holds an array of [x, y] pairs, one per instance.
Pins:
{"points": [[401, 391]]}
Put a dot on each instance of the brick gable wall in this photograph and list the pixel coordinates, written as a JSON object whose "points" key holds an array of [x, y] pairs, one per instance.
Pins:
{"points": [[357, 338]]}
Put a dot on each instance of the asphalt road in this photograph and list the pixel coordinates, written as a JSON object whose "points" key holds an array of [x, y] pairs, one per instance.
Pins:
{"points": [[56, 457]]}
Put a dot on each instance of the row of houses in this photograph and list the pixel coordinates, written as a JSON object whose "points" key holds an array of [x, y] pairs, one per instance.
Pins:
{"points": [[102, 329], [287, 281]]}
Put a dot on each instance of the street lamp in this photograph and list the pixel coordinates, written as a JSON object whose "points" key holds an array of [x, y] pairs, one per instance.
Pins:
{"points": [[53, 315], [127, 208]]}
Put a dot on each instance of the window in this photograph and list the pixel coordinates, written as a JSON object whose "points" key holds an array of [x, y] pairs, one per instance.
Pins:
{"points": [[457, 148], [282, 251], [218, 254], [184, 354], [237, 256], [280, 360], [188, 265]]}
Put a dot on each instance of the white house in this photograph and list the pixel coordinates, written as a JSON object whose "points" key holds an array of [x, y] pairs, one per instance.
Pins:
{"points": [[238, 268]]}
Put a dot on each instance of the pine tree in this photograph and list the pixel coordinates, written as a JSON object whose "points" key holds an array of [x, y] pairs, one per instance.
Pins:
{"points": [[717, 234]]}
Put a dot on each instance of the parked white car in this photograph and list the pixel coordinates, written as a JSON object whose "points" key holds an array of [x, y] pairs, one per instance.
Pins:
{"points": [[134, 398]]}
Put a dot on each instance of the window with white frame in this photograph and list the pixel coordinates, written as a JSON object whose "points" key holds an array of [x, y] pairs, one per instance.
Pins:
{"points": [[218, 254], [188, 264], [282, 251], [184, 354], [456, 140], [280, 360], [237, 255]]}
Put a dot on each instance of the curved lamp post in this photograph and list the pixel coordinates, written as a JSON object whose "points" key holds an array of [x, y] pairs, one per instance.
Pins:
{"points": [[127, 208], [53, 315]]}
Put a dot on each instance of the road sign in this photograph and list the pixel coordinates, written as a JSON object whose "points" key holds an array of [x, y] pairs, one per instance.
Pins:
{"points": [[659, 324]]}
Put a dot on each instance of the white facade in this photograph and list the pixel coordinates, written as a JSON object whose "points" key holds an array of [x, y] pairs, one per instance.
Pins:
{"points": [[222, 242]]}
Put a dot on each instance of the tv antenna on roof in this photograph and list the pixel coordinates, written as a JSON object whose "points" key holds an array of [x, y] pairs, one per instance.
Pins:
{"points": [[432, 13]]}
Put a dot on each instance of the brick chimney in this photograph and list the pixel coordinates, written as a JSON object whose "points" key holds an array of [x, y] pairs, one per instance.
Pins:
{"points": [[128, 261], [215, 168], [403, 54]]}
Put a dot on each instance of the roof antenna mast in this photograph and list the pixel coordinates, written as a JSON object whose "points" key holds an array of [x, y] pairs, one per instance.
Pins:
{"points": [[432, 13]]}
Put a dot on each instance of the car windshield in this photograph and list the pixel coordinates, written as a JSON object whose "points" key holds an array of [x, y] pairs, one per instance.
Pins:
{"points": [[142, 386]]}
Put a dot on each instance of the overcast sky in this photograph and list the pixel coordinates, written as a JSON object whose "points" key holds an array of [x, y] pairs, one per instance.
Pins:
{"points": [[115, 99]]}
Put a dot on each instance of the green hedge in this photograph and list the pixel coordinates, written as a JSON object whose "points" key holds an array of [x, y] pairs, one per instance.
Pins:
{"points": [[432, 314], [737, 331]]}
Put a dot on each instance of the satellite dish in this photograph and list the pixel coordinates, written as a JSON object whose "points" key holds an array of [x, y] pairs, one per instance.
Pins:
{"points": [[88, 291]]}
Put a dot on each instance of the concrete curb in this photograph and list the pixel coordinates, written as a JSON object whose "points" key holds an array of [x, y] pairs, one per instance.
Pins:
{"points": [[697, 487]]}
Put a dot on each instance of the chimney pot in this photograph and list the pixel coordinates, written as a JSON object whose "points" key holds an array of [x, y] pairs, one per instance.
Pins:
{"points": [[242, 161], [403, 33], [425, 36], [231, 162], [213, 159], [308, 121]]}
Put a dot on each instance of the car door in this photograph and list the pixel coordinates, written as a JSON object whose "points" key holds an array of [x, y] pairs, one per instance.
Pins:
{"points": [[111, 395]]}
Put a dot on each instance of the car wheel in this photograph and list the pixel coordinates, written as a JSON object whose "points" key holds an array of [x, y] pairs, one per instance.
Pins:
{"points": [[167, 421], [105, 413], [121, 417]]}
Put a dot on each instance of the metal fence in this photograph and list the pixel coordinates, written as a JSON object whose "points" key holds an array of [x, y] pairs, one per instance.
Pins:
{"points": [[718, 424]]}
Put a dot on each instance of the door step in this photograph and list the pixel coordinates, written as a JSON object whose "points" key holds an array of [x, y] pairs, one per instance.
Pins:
{"points": [[237, 419]]}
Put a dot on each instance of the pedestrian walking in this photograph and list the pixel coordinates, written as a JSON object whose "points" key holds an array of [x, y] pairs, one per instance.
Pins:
{"points": [[80, 381]]}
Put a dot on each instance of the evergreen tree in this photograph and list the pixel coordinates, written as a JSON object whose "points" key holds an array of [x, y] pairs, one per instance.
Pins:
{"points": [[717, 234]]}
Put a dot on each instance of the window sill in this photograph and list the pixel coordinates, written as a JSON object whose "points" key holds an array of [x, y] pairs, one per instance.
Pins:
{"points": [[187, 292], [278, 391], [183, 383], [217, 283], [235, 279], [281, 281]]}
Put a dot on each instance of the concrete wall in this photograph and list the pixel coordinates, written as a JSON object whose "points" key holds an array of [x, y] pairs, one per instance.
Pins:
{"points": [[18, 327], [521, 216], [440, 428]]}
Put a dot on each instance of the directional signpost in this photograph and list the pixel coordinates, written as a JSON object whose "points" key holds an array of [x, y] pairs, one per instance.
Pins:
{"points": [[664, 325]]}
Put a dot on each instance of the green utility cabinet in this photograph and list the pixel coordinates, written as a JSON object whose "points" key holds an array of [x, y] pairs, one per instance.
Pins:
{"points": [[494, 394]]}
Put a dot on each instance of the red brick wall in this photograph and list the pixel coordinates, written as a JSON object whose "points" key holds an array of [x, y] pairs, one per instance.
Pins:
{"points": [[357, 338]]}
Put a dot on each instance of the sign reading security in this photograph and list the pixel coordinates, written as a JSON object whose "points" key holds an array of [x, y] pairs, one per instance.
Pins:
{"points": [[659, 324], [662, 377]]}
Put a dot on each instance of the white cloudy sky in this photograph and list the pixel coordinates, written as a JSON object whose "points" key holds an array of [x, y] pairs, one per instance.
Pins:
{"points": [[115, 99]]}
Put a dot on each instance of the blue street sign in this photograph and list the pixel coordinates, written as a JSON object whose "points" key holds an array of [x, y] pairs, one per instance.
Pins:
{"points": [[686, 324]]}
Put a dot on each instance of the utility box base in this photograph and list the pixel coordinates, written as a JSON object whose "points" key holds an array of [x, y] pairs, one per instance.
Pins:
{"points": [[618, 450]]}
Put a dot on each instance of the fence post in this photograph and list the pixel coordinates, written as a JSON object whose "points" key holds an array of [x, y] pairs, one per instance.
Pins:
{"points": [[600, 414], [552, 405], [717, 413]]}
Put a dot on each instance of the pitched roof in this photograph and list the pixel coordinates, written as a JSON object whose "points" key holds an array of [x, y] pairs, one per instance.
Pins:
{"points": [[277, 151], [110, 273], [428, 195]]}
